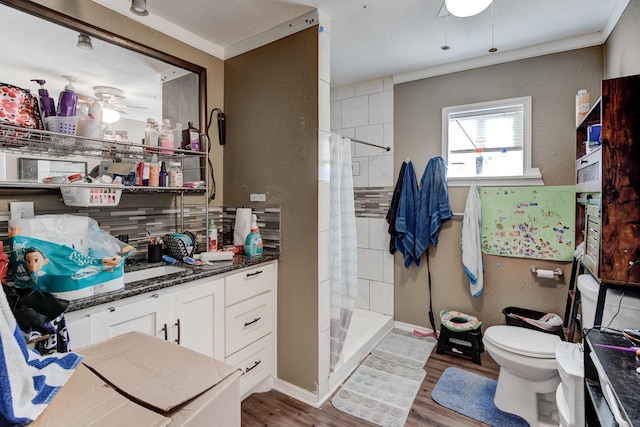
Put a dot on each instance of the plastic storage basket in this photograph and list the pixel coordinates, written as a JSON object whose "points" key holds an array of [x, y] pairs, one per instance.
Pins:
{"points": [[531, 314], [58, 124], [91, 196]]}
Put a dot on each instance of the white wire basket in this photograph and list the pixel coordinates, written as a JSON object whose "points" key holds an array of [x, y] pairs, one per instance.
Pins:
{"points": [[91, 196]]}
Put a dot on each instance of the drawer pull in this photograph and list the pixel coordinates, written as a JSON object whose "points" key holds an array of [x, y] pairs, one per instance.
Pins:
{"points": [[255, 365], [254, 274], [155, 296], [252, 322], [166, 334], [178, 325], [112, 309]]}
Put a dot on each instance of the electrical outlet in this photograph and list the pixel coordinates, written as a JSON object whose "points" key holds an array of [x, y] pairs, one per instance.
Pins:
{"points": [[21, 210], [258, 197]]}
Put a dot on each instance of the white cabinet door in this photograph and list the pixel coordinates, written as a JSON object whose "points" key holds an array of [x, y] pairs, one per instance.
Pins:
{"points": [[197, 317], [148, 314], [79, 329]]}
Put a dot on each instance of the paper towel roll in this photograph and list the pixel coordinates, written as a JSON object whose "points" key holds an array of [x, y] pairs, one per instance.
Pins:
{"points": [[243, 225], [545, 274]]}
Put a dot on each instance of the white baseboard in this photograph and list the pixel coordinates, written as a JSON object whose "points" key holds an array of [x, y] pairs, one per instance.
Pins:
{"points": [[304, 396]]}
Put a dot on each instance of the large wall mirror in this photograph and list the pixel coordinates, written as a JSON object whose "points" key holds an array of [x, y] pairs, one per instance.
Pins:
{"points": [[134, 81]]}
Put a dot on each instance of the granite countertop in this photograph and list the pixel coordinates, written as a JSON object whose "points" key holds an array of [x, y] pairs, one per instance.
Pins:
{"points": [[189, 274], [620, 368]]}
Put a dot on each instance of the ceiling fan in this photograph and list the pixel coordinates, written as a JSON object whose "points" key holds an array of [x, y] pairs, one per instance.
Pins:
{"points": [[109, 99]]}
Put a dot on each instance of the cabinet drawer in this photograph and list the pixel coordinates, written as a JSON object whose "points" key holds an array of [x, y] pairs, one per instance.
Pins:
{"points": [[248, 321], [256, 362], [240, 286]]}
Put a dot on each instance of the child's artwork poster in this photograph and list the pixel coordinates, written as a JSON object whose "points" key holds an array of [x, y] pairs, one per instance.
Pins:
{"points": [[529, 222]]}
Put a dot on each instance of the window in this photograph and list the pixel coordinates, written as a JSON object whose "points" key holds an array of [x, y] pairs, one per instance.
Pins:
{"points": [[489, 141]]}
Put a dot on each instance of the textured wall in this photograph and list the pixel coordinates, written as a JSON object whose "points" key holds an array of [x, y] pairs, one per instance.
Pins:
{"points": [[271, 99], [622, 56], [552, 81]]}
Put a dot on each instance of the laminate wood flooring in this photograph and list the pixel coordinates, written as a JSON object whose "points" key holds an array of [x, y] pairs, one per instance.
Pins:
{"points": [[277, 409]]}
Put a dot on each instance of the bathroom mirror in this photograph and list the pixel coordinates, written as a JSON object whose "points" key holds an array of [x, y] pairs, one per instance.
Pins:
{"points": [[124, 76]]}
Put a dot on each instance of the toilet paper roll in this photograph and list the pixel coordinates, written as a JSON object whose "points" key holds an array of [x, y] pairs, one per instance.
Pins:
{"points": [[242, 226], [545, 274]]}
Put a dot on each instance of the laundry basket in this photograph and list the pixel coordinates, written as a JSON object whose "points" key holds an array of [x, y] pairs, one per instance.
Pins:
{"points": [[531, 314]]}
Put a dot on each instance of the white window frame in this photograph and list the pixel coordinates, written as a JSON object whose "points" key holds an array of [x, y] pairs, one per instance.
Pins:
{"points": [[530, 175]]}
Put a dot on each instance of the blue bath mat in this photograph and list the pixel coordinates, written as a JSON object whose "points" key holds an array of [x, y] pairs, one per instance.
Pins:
{"points": [[471, 395]]}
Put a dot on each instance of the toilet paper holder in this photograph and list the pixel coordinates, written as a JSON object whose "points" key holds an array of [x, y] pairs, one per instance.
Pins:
{"points": [[538, 271]]}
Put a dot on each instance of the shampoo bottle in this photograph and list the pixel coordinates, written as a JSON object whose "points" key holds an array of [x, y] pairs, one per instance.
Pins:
{"points": [[47, 104], [253, 243], [68, 100]]}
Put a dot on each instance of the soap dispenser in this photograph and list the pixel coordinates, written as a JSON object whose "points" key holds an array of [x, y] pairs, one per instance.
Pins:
{"points": [[47, 104], [68, 100], [253, 243]]}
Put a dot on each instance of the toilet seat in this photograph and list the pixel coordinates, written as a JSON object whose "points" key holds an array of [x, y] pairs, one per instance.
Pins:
{"points": [[523, 341]]}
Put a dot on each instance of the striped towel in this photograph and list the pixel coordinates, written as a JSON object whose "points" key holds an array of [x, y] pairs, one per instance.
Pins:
{"points": [[28, 381]]}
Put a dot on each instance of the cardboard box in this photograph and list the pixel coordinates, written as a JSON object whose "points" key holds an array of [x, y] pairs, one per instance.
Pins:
{"points": [[156, 383]]}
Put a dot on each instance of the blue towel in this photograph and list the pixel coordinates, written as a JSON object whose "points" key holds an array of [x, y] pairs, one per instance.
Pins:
{"points": [[405, 217], [432, 206], [28, 381]]}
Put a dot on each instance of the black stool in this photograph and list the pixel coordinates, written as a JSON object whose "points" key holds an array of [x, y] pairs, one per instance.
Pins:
{"points": [[473, 337]]}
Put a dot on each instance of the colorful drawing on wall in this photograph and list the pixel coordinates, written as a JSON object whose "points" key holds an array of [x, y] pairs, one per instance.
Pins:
{"points": [[529, 222]]}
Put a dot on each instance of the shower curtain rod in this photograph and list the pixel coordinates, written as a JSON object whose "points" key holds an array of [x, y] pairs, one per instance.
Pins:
{"points": [[368, 143]]}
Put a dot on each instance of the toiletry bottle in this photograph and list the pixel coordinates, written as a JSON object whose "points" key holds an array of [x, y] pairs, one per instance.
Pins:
{"points": [[177, 136], [582, 105], [163, 176], [166, 137], [479, 161], [139, 174], [68, 100], [212, 237], [253, 243], [151, 135], [154, 172], [191, 138], [47, 104], [175, 175]]}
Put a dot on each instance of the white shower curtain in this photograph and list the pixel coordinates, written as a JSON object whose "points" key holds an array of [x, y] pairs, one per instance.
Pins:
{"points": [[343, 261]]}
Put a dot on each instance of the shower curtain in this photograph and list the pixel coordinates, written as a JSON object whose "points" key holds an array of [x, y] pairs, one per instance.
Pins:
{"points": [[343, 262]]}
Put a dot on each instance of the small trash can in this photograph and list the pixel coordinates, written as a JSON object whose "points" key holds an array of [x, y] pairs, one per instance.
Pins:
{"points": [[531, 314]]}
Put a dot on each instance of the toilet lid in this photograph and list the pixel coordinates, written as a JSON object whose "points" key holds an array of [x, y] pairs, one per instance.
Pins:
{"points": [[526, 342]]}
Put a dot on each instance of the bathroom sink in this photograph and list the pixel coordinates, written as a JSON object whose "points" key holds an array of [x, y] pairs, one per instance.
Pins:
{"points": [[150, 273]]}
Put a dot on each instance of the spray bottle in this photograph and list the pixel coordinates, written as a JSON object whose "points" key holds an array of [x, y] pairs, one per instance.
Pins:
{"points": [[47, 104], [68, 100], [253, 242]]}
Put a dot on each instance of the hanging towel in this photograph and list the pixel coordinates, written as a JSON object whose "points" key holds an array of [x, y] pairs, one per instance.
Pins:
{"points": [[432, 206], [406, 216], [392, 213], [471, 242], [28, 381]]}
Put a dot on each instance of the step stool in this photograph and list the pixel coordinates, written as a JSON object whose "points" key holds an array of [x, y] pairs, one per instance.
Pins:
{"points": [[447, 342]]}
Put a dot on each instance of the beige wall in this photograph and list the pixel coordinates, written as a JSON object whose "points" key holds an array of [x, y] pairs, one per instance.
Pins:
{"points": [[271, 99], [552, 81], [622, 55], [106, 19]]}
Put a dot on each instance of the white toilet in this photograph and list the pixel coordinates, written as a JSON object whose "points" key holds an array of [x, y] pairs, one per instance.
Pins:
{"points": [[528, 377], [570, 394]]}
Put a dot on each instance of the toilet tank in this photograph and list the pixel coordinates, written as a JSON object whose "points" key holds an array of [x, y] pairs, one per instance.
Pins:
{"points": [[627, 318]]}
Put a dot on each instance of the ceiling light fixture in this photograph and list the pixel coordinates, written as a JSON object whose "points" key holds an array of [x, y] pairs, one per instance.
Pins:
{"points": [[492, 49], [84, 42], [445, 46], [466, 8], [109, 115], [139, 7]]}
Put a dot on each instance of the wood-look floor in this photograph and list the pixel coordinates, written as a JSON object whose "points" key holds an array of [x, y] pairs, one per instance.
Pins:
{"points": [[277, 409]]}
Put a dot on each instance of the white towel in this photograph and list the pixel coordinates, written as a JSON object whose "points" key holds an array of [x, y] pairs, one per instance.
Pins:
{"points": [[28, 381], [471, 242]]}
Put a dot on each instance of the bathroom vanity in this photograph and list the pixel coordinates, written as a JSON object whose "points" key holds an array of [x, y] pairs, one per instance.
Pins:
{"points": [[226, 311], [611, 381]]}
